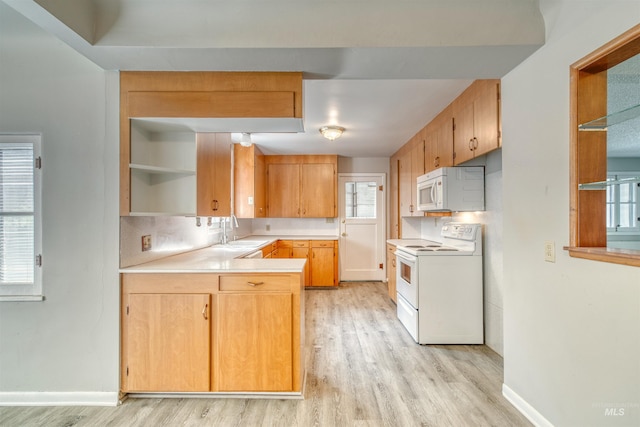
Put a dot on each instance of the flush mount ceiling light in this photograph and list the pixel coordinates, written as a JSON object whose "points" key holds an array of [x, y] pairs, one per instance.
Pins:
{"points": [[245, 139], [331, 132]]}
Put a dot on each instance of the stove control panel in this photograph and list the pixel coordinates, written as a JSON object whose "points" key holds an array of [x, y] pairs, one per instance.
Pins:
{"points": [[460, 231]]}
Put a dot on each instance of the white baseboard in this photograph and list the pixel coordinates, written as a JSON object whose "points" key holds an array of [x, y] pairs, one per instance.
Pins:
{"points": [[525, 409], [73, 398]]}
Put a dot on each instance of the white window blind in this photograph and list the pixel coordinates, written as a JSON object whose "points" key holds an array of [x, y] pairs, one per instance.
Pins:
{"points": [[19, 217]]}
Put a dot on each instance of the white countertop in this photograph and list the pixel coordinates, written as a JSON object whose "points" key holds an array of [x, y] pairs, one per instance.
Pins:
{"points": [[225, 258]]}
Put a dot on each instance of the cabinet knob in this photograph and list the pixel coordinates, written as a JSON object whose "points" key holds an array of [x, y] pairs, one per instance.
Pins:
{"points": [[204, 311], [344, 234], [471, 144]]}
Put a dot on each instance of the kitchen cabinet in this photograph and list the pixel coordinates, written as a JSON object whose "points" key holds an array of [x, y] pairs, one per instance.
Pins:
{"points": [[206, 332], [318, 190], [283, 190], [302, 186], [255, 332], [439, 141], [394, 214], [162, 170], [213, 173], [476, 115], [410, 167], [166, 335], [190, 101], [323, 269], [391, 271], [284, 249], [322, 258], [300, 249], [173, 172], [249, 182]]}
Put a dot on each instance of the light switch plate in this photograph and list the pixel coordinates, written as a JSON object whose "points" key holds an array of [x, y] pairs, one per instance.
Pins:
{"points": [[549, 251]]}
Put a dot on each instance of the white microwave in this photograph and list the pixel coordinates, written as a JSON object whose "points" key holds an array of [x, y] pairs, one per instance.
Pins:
{"points": [[452, 189]]}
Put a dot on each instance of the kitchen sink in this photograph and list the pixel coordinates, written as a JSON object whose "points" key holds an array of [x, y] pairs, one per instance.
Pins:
{"points": [[246, 243]]}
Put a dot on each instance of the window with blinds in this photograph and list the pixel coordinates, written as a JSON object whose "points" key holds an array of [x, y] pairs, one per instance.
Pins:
{"points": [[19, 217]]}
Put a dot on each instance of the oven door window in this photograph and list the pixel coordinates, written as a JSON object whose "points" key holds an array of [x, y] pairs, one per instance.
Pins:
{"points": [[405, 272]]}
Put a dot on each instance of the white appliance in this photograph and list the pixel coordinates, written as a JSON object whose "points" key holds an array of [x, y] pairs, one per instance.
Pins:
{"points": [[439, 286], [452, 189]]}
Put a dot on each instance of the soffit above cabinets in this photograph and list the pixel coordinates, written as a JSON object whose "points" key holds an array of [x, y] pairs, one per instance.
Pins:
{"points": [[380, 68]]}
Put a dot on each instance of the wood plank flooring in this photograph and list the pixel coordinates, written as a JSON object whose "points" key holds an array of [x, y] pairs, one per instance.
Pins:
{"points": [[363, 369]]}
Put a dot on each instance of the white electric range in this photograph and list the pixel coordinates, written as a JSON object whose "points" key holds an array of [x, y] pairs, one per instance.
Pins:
{"points": [[439, 285]]}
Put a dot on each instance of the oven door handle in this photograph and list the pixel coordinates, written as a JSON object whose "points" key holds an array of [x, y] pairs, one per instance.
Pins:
{"points": [[401, 256]]}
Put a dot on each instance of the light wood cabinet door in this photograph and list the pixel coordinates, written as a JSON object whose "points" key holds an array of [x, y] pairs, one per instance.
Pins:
{"points": [[486, 110], [168, 342], [439, 142], [393, 198], [301, 250], [477, 120], [417, 169], [255, 342], [213, 174], [283, 190], [318, 192], [391, 271], [322, 268], [463, 137], [404, 185], [249, 182], [410, 165]]}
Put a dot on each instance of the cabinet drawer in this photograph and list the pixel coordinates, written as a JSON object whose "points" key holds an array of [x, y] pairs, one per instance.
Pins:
{"points": [[285, 244], [255, 282], [322, 243], [300, 243]]}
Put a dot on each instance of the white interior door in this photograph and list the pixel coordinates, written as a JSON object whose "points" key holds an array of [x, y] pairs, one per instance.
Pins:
{"points": [[362, 232]]}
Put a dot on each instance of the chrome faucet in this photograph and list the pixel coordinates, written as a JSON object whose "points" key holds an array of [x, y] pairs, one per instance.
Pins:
{"points": [[224, 237]]}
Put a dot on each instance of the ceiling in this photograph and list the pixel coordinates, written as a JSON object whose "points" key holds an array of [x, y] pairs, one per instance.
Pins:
{"points": [[380, 68]]}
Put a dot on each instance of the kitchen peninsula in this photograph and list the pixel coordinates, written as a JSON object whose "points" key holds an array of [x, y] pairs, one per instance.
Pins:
{"points": [[207, 321]]}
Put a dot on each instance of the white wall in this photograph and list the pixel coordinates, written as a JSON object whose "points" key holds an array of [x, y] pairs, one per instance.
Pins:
{"points": [[571, 328], [69, 342]]}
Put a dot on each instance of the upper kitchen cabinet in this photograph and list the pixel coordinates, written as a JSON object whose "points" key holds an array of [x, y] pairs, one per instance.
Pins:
{"points": [[249, 182], [168, 106], [213, 174], [410, 167], [302, 186], [393, 198], [476, 115], [438, 150], [162, 170]]}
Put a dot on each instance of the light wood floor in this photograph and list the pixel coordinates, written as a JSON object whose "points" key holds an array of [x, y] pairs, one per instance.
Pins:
{"points": [[363, 369]]}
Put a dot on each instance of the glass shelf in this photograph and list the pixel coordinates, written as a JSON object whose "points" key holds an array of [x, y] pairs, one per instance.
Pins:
{"points": [[603, 123], [602, 185], [160, 170]]}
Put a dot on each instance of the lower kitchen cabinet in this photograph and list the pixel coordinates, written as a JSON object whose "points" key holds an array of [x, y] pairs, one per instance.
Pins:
{"points": [[323, 263], [206, 332], [391, 271], [254, 348], [168, 338], [301, 250]]}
